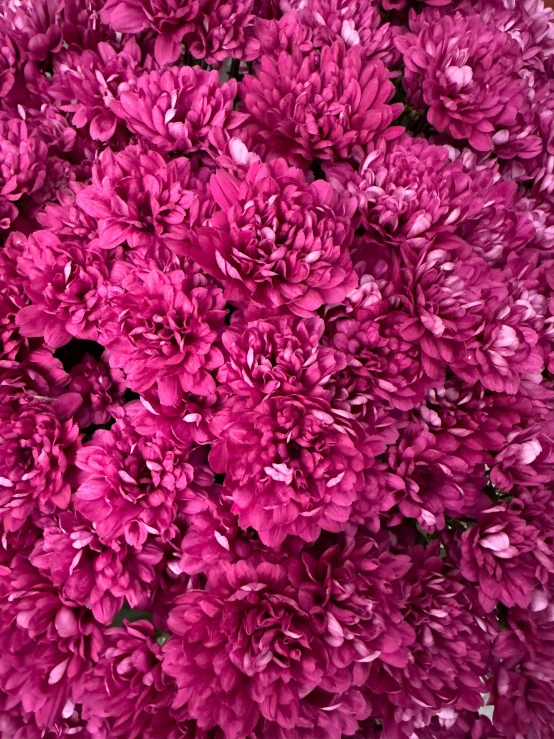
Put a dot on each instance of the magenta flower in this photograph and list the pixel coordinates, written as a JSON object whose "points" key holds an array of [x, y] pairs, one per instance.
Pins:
{"points": [[100, 388], [132, 487], [224, 29], [466, 73], [497, 554], [381, 365], [169, 18], [85, 85], [435, 482], [278, 355], [319, 105], [164, 333], [138, 198], [67, 286], [180, 109], [46, 645], [22, 166], [293, 466], [259, 641], [277, 239], [36, 25], [91, 574], [127, 695], [523, 692], [38, 444]]}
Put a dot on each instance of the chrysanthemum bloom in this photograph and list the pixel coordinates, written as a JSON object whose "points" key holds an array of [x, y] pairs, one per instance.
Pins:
{"points": [[435, 482], [470, 421], [249, 657], [187, 422], [523, 688], [283, 355], [319, 105], [126, 695], [506, 347], [410, 189], [214, 536], [8, 61], [90, 574], [497, 553], [355, 22], [223, 30], [46, 644], [65, 219], [278, 240], [180, 109], [449, 656], [292, 464], [38, 444], [443, 294], [100, 388], [138, 198], [132, 486], [466, 72], [36, 25], [22, 166], [164, 333], [13, 346], [85, 85], [67, 287], [526, 458], [169, 18], [381, 366]]}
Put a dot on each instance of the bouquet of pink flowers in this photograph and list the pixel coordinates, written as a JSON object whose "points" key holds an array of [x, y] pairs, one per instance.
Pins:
{"points": [[276, 369]]}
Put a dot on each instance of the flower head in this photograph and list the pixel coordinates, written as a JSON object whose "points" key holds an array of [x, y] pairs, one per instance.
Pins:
{"points": [[277, 239], [319, 105]]}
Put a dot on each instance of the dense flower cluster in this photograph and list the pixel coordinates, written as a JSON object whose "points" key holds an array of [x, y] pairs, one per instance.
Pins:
{"points": [[276, 369]]}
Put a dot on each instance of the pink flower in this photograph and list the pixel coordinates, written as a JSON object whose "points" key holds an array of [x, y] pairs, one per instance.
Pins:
{"points": [[67, 286], [22, 166], [466, 72], [277, 239], [137, 197], [381, 365], [319, 105], [277, 355], [132, 487], [327, 20], [293, 466], [36, 25], [46, 644], [435, 482], [85, 85], [38, 444], [169, 18], [126, 695], [248, 656], [523, 689], [164, 333], [224, 29], [180, 109], [91, 574], [448, 658], [100, 388], [497, 554]]}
